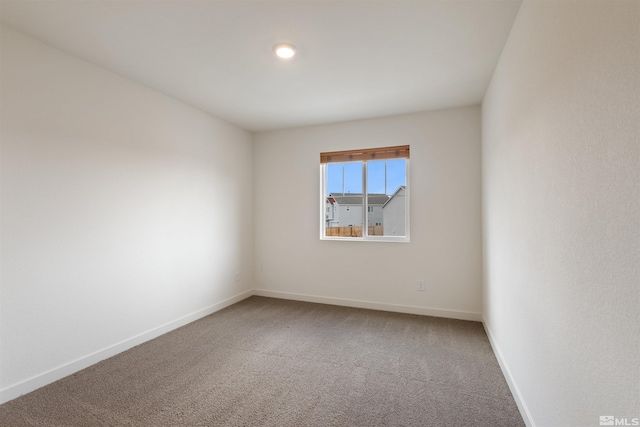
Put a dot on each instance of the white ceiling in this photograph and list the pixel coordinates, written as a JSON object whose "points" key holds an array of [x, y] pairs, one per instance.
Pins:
{"points": [[356, 59]]}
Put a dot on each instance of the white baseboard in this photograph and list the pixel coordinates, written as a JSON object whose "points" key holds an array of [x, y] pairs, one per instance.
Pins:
{"points": [[425, 311], [515, 391], [40, 380]]}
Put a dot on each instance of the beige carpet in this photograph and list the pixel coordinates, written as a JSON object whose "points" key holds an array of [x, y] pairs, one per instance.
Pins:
{"points": [[270, 362]]}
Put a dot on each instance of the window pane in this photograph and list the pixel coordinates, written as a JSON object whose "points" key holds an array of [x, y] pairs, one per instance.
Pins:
{"points": [[375, 177], [334, 178], [344, 200], [394, 210], [353, 178], [396, 174], [376, 196]]}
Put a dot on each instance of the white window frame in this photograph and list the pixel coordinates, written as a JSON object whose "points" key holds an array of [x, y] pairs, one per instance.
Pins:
{"points": [[365, 208]]}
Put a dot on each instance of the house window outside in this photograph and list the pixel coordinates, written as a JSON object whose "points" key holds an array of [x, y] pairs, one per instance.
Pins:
{"points": [[367, 193]]}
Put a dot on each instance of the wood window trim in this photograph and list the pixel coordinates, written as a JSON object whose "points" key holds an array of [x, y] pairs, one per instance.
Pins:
{"points": [[383, 153]]}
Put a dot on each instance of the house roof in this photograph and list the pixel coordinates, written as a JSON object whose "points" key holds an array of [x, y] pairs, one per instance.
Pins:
{"points": [[356, 199], [402, 187]]}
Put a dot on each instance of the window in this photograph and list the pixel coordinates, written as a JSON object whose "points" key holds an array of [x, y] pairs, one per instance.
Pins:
{"points": [[367, 193]]}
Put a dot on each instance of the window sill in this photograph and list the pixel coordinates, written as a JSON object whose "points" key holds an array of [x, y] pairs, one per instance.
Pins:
{"points": [[369, 239]]}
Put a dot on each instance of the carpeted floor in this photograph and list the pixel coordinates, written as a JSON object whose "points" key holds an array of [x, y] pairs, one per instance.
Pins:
{"points": [[271, 362]]}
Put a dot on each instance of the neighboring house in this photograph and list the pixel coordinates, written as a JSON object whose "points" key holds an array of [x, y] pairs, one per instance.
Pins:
{"points": [[346, 210], [393, 213], [331, 214]]}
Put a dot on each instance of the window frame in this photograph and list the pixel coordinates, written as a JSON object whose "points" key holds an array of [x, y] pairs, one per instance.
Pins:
{"points": [[365, 203]]}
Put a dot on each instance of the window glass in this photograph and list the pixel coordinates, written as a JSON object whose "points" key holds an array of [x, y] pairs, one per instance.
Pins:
{"points": [[366, 199], [343, 199]]}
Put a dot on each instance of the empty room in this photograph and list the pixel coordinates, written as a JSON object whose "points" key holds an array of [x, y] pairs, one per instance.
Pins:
{"points": [[320, 213]]}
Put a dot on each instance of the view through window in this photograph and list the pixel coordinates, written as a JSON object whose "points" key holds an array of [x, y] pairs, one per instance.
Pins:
{"points": [[365, 194]]}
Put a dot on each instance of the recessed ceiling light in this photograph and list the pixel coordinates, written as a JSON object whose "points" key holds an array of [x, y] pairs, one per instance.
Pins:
{"points": [[285, 50]]}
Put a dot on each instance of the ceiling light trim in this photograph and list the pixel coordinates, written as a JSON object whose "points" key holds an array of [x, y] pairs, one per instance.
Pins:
{"points": [[285, 50]]}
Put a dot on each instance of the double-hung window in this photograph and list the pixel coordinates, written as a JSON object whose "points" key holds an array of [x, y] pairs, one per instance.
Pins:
{"points": [[365, 194]]}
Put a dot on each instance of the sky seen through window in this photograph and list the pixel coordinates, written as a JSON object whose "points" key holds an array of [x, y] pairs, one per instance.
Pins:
{"points": [[376, 179]]}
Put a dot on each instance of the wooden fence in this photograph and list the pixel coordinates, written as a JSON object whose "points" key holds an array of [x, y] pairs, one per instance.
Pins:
{"points": [[373, 230]]}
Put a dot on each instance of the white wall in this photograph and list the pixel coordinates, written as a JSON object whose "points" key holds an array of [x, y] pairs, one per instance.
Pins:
{"points": [[561, 208], [445, 249], [124, 212]]}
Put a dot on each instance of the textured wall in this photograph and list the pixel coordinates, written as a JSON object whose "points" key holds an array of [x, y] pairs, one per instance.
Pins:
{"points": [[445, 216], [122, 211], [561, 209]]}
